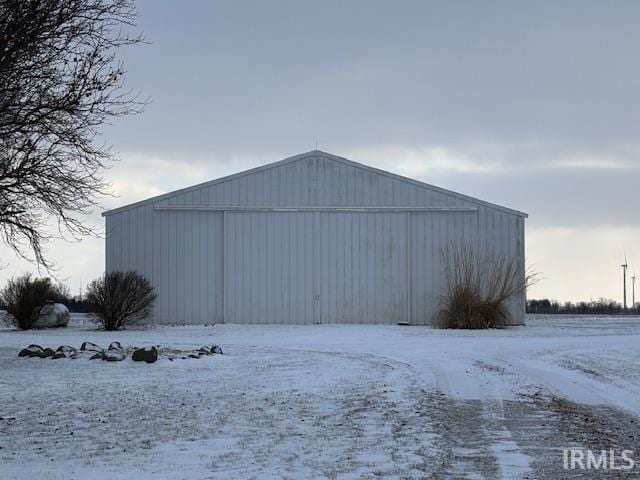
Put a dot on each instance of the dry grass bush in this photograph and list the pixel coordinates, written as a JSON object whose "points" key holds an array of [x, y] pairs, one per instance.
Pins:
{"points": [[479, 287]]}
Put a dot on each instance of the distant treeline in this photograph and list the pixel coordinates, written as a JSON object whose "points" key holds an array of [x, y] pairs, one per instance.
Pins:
{"points": [[77, 306], [602, 306]]}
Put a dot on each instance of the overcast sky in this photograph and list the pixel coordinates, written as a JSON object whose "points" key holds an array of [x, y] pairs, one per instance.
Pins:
{"points": [[532, 105]]}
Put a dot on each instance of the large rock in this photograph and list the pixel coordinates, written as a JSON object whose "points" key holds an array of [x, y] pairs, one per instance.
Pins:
{"points": [[52, 315], [66, 349], [114, 356], [31, 351], [48, 352], [91, 347], [148, 355]]}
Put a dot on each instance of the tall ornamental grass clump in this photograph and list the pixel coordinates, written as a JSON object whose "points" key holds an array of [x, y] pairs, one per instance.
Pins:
{"points": [[479, 287]]}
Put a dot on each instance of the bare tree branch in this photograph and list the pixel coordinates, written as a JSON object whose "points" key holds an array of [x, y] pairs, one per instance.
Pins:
{"points": [[60, 81]]}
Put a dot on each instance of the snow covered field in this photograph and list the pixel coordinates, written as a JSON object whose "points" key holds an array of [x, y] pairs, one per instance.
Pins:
{"points": [[328, 401]]}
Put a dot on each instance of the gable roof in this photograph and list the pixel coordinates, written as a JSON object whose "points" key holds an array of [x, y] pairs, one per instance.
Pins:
{"points": [[315, 153]]}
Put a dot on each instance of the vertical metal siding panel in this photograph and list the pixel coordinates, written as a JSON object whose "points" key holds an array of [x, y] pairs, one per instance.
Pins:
{"points": [[169, 260], [340, 273], [218, 259], [356, 255], [237, 242], [118, 234], [296, 255], [279, 186], [240, 254], [376, 261], [256, 268], [301, 294], [197, 256], [253, 193], [285, 255], [244, 257], [433, 244], [269, 250], [149, 242], [156, 262], [124, 240], [309, 267], [258, 222], [164, 219], [263, 256], [109, 241], [126, 237], [187, 279], [313, 172], [229, 263], [203, 252], [133, 239], [316, 263], [350, 197], [200, 256], [121, 229], [425, 240], [523, 266], [180, 264], [323, 265], [344, 267], [418, 269], [208, 249], [329, 183], [165, 260], [302, 182], [290, 283], [175, 266], [269, 186], [372, 234]]}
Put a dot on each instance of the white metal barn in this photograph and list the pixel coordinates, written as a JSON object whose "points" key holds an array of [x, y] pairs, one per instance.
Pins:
{"points": [[314, 238]]}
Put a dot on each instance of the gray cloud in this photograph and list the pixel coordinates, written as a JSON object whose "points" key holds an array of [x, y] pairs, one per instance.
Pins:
{"points": [[532, 105]]}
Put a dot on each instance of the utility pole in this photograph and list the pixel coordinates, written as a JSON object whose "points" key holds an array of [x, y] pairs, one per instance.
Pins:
{"points": [[633, 290]]}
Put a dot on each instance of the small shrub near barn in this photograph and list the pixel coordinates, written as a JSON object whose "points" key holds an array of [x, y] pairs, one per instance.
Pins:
{"points": [[24, 296], [121, 298], [479, 287]]}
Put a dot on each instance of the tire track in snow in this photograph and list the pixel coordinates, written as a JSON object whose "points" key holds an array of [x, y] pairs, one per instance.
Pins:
{"points": [[570, 384], [512, 462]]}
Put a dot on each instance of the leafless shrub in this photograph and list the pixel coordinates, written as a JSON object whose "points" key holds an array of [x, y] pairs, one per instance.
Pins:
{"points": [[24, 296], [479, 286], [120, 299]]}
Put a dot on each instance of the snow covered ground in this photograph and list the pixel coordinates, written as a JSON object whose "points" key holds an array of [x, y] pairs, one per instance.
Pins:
{"points": [[327, 401]]}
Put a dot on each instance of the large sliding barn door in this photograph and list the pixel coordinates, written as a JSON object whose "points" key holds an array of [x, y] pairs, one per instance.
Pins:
{"points": [[268, 267], [362, 267], [315, 267]]}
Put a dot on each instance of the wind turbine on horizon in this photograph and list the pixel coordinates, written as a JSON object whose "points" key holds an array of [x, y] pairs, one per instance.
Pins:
{"points": [[633, 290], [624, 282]]}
